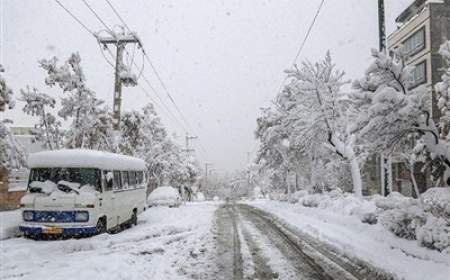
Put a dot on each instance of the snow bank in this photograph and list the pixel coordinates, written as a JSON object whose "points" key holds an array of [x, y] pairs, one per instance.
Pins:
{"points": [[350, 237], [403, 216], [85, 158], [161, 246], [9, 223], [200, 197]]}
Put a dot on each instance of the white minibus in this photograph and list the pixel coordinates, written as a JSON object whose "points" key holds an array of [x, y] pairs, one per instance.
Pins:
{"points": [[82, 192]]}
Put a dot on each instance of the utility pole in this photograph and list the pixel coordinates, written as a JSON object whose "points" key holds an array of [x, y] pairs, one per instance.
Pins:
{"points": [[385, 161], [120, 41], [206, 175], [188, 139], [381, 26], [188, 150]]}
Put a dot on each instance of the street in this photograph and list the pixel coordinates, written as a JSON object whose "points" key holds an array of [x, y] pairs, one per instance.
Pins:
{"points": [[251, 246]]}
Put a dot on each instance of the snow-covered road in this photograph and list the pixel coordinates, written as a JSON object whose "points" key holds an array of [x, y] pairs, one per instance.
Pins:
{"points": [[264, 240], [168, 243], [252, 246]]}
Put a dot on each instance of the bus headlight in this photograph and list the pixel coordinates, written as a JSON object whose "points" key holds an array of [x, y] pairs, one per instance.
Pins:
{"points": [[81, 216], [28, 216]]}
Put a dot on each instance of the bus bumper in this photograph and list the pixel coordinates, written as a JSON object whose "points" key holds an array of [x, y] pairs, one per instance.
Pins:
{"points": [[69, 231]]}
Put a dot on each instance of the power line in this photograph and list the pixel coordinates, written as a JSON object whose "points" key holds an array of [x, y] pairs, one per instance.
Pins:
{"points": [[155, 71], [97, 16], [162, 105], [84, 26], [75, 18], [133, 62], [118, 15], [309, 31], [302, 45], [153, 68]]}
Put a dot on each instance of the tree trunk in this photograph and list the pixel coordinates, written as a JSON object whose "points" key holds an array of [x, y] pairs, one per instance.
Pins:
{"points": [[416, 189], [356, 176]]}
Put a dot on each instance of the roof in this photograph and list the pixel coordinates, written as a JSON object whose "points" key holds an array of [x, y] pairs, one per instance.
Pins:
{"points": [[413, 9], [85, 158]]}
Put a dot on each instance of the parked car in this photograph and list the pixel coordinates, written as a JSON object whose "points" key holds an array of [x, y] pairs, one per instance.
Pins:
{"points": [[164, 196]]}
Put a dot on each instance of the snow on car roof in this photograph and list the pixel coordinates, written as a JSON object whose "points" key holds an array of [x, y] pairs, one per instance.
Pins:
{"points": [[85, 158]]}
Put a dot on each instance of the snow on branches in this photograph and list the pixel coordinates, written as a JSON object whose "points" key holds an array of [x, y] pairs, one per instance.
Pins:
{"points": [[6, 93], [88, 128], [12, 154], [48, 129]]}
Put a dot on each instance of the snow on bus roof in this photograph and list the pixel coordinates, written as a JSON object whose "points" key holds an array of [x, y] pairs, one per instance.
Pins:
{"points": [[85, 158]]}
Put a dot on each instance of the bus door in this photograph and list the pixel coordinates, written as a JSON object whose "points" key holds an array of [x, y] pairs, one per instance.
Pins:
{"points": [[107, 199]]}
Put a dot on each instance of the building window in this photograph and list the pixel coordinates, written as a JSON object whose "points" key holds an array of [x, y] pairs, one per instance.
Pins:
{"points": [[419, 74], [415, 42]]}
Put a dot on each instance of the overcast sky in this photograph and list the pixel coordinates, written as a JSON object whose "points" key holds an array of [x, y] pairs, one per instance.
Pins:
{"points": [[221, 59]]}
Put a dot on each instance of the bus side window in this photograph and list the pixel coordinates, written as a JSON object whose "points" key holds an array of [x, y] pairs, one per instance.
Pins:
{"points": [[117, 180], [139, 177], [132, 178], [107, 180], [124, 179]]}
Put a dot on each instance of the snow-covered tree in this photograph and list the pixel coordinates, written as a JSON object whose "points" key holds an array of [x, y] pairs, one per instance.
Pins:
{"points": [[396, 110], [143, 135], [6, 101], [12, 154], [314, 114], [48, 130], [79, 103]]}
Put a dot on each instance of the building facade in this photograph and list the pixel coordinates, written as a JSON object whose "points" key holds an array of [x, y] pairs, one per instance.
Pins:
{"points": [[422, 28]]}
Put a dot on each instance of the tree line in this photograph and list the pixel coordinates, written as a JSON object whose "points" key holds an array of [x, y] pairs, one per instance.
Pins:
{"points": [[84, 121]]}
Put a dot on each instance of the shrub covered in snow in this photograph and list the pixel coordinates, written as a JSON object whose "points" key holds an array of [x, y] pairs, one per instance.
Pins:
{"points": [[435, 233], [437, 202], [200, 197], [403, 222], [312, 200], [295, 197]]}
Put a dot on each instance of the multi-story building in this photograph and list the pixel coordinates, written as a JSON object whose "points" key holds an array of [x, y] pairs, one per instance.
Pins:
{"points": [[422, 28]]}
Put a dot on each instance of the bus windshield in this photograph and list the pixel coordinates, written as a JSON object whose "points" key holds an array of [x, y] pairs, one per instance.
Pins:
{"points": [[83, 176]]}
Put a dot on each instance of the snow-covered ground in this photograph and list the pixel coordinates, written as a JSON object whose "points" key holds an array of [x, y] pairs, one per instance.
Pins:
{"points": [[9, 223], [372, 243], [167, 243]]}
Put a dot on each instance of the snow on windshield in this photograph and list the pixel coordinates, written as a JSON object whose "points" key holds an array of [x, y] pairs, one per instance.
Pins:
{"points": [[75, 178]]}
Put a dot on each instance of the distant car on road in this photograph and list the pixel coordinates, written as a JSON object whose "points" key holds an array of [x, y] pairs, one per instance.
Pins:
{"points": [[164, 196]]}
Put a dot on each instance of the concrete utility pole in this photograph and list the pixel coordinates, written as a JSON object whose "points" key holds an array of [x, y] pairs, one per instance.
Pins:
{"points": [[386, 165], [189, 138], [381, 26], [120, 41], [188, 150], [206, 174]]}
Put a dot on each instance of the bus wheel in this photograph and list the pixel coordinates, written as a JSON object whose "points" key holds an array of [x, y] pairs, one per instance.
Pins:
{"points": [[101, 225], [134, 218]]}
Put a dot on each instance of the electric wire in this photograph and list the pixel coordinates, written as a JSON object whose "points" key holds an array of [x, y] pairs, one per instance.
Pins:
{"points": [[156, 73], [302, 45], [84, 26], [75, 18]]}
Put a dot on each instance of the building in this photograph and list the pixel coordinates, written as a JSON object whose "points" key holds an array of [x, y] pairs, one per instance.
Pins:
{"points": [[422, 28]]}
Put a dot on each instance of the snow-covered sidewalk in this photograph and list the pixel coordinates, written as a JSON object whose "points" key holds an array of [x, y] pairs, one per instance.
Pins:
{"points": [[371, 243], [9, 223], [167, 243]]}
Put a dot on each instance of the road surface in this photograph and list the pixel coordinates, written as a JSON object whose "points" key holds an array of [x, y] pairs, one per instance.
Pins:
{"points": [[250, 245]]}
